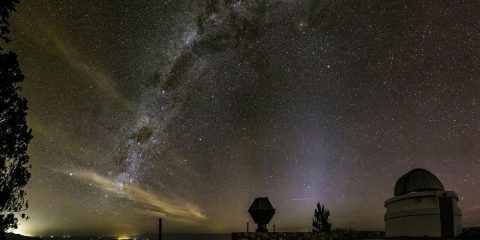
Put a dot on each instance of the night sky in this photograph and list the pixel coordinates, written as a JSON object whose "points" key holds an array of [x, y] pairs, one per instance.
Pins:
{"points": [[188, 110]]}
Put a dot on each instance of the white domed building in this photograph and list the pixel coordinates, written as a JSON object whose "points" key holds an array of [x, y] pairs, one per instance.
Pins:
{"points": [[422, 208]]}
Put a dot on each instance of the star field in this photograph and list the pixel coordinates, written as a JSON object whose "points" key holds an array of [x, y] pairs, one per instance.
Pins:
{"points": [[189, 110]]}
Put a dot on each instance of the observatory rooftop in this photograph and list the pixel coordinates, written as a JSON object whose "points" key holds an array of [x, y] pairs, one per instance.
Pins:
{"points": [[418, 180]]}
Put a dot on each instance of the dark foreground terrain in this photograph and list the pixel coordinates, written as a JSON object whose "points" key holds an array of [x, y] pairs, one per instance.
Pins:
{"points": [[11, 236]]}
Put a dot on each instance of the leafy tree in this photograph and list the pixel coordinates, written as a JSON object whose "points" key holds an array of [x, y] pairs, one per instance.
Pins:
{"points": [[321, 223], [6, 6], [14, 132]]}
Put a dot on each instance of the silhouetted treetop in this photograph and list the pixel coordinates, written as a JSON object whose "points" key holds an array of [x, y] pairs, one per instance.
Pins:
{"points": [[321, 223], [6, 6]]}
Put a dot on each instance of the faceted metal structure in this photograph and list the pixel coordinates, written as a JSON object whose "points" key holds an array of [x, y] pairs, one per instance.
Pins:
{"points": [[262, 212]]}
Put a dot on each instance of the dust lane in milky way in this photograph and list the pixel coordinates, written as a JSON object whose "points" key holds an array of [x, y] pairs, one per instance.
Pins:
{"points": [[188, 110]]}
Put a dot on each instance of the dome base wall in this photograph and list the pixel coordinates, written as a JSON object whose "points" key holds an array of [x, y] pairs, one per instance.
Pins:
{"points": [[418, 214]]}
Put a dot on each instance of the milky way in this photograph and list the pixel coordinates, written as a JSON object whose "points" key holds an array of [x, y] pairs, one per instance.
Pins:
{"points": [[189, 110]]}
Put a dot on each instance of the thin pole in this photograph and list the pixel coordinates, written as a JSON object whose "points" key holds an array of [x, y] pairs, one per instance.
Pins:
{"points": [[160, 229], [247, 227]]}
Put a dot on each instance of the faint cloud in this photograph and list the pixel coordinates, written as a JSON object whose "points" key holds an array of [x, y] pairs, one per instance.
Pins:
{"points": [[473, 208], [301, 199], [152, 203], [53, 37]]}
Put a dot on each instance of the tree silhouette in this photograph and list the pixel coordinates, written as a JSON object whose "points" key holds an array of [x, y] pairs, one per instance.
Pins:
{"points": [[6, 6], [14, 132], [321, 223]]}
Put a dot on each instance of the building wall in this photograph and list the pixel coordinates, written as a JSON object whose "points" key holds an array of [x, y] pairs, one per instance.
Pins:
{"points": [[457, 224], [413, 226], [418, 214], [414, 202]]}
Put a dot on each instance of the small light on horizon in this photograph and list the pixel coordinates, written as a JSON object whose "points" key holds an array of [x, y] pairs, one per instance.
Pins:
{"points": [[124, 237]]}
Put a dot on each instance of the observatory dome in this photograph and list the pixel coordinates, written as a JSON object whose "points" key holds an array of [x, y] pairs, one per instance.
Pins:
{"points": [[417, 180]]}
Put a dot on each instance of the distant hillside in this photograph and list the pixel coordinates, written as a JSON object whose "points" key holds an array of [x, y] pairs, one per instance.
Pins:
{"points": [[171, 236], [12, 236]]}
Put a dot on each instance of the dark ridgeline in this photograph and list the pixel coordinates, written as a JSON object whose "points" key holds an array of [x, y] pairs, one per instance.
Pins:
{"points": [[153, 236], [262, 212], [12, 236]]}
